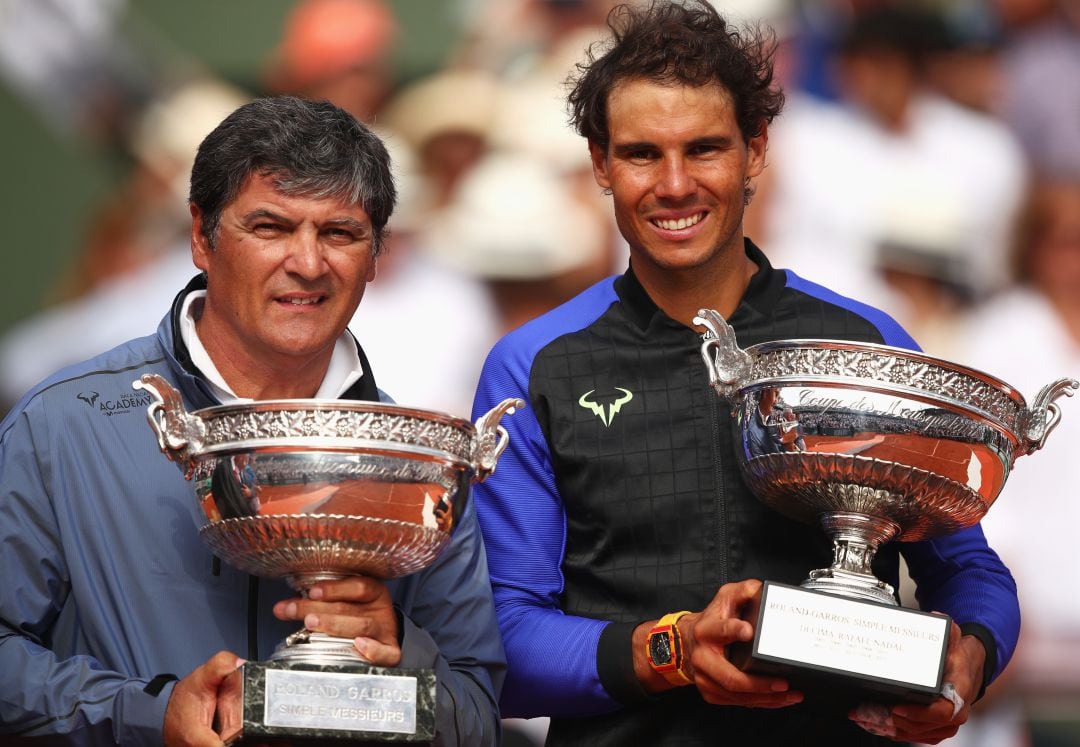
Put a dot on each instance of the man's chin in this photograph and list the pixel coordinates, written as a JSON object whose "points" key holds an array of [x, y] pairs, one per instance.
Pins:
{"points": [[681, 259], [307, 350]]}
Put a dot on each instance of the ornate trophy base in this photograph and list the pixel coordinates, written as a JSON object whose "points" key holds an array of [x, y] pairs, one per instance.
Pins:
{"points": [[300, 701], [845, 650]]}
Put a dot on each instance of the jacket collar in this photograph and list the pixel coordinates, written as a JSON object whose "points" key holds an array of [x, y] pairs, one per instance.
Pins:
{"points": [[763, 290]]}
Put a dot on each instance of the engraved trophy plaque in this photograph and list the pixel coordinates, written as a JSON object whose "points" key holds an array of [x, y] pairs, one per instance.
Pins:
{"points": [[874, 444], [315, 490]]}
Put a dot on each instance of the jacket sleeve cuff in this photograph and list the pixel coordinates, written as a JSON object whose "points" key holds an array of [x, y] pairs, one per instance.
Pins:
{"points": [[418, 648], [615, 664], [139, 715], [987, 638]]}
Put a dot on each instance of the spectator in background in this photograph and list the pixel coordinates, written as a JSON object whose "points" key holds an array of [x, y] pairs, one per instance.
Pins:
{"points": [[825, 196], [1018, 60], [140, 262], [446, 119], [921, 257], [531, 119], [337, 50], [429, 324], [1040, 98], [99, 78], [967, 67], [1029, 337], [513, 37], [137, 247], [517, 224], [145, 217], [73, 63]]}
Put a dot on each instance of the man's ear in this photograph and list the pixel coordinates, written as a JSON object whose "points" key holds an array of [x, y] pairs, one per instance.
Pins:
{"points": [[200, 245], [755, 152], [599, 165]]}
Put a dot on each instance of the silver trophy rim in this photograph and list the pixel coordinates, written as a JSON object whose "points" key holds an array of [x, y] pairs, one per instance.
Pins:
{"points": [[323, 444], [765, 348], [1008, 421], [292, 405]]}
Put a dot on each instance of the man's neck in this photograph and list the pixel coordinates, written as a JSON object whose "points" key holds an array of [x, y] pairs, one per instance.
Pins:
{"points": [[682, 294], [251, 377], [278, 382]]}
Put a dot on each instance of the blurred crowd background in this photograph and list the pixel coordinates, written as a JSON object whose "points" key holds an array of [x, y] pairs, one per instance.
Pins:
{"points": [[928, 162]]}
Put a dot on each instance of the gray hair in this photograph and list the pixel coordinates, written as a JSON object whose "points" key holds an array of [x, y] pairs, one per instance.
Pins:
{"points": [[310, 148]]}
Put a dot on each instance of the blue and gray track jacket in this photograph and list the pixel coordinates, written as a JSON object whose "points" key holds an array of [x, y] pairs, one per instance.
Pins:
{"points": [[106, 584]]}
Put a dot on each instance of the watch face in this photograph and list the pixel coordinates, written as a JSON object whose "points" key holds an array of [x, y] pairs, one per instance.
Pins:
{"points": [[660, 648]]}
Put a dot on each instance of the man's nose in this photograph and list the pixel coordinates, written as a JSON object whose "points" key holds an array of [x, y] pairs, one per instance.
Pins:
{"points": [[306, 256], [676, 181]]}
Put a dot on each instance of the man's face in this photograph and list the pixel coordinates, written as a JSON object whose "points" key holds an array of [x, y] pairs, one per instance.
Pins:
{"points": [[284, 278], [676, 166]]}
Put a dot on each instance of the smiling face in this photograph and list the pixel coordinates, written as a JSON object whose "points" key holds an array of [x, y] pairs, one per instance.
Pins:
{"points": [[283, 280], [677, 166]]}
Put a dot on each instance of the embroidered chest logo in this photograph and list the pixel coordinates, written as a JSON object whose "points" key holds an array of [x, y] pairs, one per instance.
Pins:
{"points": [[125, 403], [607, 412], [89, 399]]}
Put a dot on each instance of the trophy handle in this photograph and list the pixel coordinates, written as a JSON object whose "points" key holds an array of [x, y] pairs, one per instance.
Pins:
{"points": [[492, 438], [179, 435], [729, 365], [1044, 414]]}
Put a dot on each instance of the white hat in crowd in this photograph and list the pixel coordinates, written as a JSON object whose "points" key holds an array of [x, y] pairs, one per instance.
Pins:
{"points": [[513, 218]]}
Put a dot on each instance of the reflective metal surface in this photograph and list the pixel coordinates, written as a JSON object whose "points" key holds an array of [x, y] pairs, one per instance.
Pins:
{"points": [[315, 490], [873, 442], [309, 490]]}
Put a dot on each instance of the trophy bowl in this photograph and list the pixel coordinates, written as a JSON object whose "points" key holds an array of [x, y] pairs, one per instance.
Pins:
{"points": [[310, 490], [873, 443], [876, 443]]}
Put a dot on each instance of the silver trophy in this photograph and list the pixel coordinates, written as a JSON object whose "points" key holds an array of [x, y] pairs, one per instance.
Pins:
{"points": [[316, 490], [875, 444]]}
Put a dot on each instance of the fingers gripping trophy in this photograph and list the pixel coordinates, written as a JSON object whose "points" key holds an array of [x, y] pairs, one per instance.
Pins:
{"points": [[317, 490], [874, 444]]}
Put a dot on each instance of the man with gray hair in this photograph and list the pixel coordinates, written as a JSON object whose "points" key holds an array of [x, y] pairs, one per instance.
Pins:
{"points": [[109, 588]]}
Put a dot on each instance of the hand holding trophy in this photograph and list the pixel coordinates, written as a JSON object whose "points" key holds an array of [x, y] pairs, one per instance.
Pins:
{"points": [[875, 444]]}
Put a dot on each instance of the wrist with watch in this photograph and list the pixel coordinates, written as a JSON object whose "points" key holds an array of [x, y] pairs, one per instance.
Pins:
{"points": [[664, 649]]}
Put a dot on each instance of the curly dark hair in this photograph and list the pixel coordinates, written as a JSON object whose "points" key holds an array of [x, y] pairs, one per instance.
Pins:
{"points": [[675, 43]]}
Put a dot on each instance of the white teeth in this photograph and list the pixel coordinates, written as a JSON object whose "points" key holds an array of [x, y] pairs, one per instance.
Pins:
{"points": [[302, 301], [676, 225]]}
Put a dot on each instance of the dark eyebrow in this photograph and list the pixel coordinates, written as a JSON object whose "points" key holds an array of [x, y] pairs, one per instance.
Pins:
{"points": [[348, 223], [622, 149], [720, 141], [261, 213]]}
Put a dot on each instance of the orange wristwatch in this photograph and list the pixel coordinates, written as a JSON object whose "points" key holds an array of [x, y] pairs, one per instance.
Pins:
{"points": [[664, 649]]}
